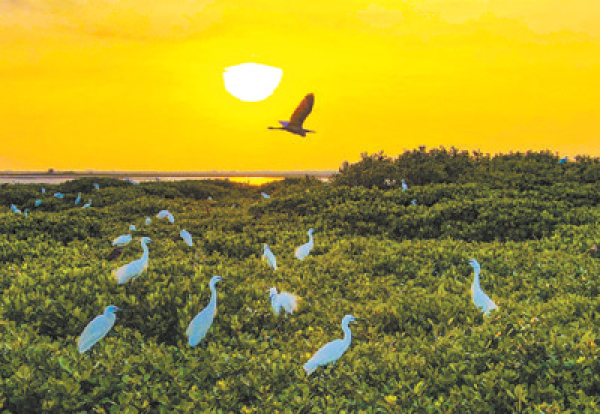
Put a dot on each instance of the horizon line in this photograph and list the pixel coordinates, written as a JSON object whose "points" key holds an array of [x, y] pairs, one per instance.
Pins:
{"points": [[137, 174]]}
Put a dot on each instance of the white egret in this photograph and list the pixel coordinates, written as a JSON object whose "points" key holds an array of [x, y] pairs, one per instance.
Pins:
{"points": [[43, 190], [481, 300], [210, 198], [129, 180], [404, 186], [122, 240], [97, 329], [302, 111], [132, 227], [303, 251], [96, 186], [187, 237], [148, 220], [202, 322], [265, 195], [88, 204], [563, 160], [15, 209], [287, 301], [78, 199], [268, 254], [165, 214], [332, 351], [59, 195], [38, 202], [133, 269], [413, 202], [25, 212]]}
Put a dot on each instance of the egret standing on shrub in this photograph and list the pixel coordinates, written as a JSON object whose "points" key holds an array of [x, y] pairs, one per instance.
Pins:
{"points": [[302, 111], [303, 251], [38, 202], [332, 351], [133, 269], [481, 300], [404, 186], [202, 322], [97, 329], [15, 209], [88, 204], [285, 300], [268, 254], [187, 237], [78, 199]]}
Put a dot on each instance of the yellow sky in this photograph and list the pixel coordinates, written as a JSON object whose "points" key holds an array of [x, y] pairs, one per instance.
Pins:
{"points": [[137, 84]]}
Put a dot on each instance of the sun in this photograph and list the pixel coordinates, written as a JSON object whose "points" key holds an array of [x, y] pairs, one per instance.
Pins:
{"points": [[251, 82]]}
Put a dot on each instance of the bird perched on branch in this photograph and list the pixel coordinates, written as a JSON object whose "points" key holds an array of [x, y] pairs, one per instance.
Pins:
{"points": [[294, 125]]}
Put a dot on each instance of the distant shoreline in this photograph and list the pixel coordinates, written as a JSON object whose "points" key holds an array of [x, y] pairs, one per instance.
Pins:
{"points": [[174, 174]]}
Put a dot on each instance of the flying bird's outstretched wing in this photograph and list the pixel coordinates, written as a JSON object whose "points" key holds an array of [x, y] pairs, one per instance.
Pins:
{"points": [[303, 110]]}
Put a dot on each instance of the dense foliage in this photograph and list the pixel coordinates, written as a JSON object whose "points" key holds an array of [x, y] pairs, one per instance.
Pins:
{"points": [[423, 347]]}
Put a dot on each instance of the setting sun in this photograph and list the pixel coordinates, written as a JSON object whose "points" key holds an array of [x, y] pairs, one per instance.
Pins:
{"points": [[251, 82]]}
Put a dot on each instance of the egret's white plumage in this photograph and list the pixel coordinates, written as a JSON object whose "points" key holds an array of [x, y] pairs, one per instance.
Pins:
{"points": [[404, 186], [122, 240], [43, 190], [413, 202], [96, 186], [15, 209], [481, 300], [148, 220], [88, 204], [132, 227], [78, 199], [38, 202], [187, 237], [202, 322], [287, 301], [268, 254], [133, 269], [332, 351], [25, 212], [303, 251], [165, 214], [59, 195], [97, 329], [265, 195], [563, 160]]}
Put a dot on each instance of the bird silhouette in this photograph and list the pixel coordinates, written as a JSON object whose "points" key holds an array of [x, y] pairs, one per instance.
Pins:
{"points": [[294, 125]]}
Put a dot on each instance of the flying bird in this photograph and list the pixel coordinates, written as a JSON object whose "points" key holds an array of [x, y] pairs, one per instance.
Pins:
{"points": [[294, 125], [285, 300], [202, 322], [333, 350], [133, 269], [97, 329], [481, 300]]}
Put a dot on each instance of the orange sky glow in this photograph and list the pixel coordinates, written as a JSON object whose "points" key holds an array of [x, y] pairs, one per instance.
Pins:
{"points": [[137, 85]]}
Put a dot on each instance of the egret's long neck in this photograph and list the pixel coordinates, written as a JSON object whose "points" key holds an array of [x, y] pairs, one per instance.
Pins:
{"points": [[146, 252], [475, 284], [213, 298], [347, 335], [310, 239]]}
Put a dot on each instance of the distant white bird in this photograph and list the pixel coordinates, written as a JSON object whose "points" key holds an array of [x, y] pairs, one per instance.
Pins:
{"points": [[187, 237], [481, 300], [122, 240], [133, 269], [303, 251], [129, 180], [404, 186], [15, 209], [88, 204], [287, 301], [78, 199], [43, 190], [165, 214], [332, 351], [414, 202], [148, 220], [25, 212], [97, 329], [59, 195], [298, 117], [563, 160], [96, 186], [210, 198], [131, 227], [268, 254], [202, 322], [265, 195], [38, 202]]}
